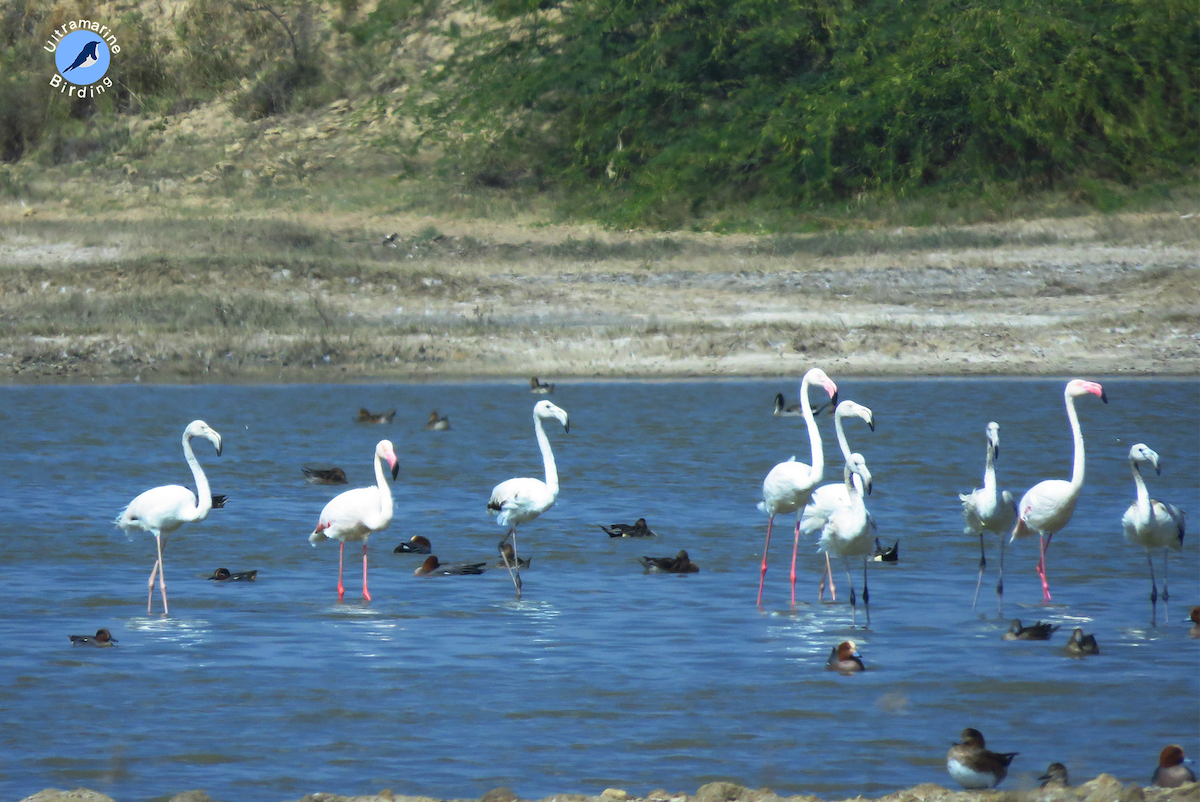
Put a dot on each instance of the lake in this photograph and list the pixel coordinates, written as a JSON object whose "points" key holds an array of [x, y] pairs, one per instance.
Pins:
{"points": [[601, 675]]}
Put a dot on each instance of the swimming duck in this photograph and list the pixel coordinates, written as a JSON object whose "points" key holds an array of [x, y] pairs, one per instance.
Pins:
{"points": [[541, 388], [323, 475], [1055, 777], [417, 544], [1038, 631], [1081, 644], [436, 424], [1171, 773], [887, 555], [225, 575], [637, 529], [218, 500], [679, 564], [431, 567], [102, 639], [364, 416], [973, 766], [845, 658], [790, 411], [506, 551]]}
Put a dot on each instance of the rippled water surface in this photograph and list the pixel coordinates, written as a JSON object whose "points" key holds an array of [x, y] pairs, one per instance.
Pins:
{"points": [[602, 675]]}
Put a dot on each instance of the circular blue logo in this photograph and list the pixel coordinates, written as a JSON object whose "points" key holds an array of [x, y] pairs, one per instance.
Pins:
{"points": [[82, 57]]}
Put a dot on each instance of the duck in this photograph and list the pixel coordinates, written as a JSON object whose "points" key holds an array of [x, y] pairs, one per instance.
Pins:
{"points": [[1080, 644], [390, 240], [790, 411], [637, 529], [507, 553], [1194, 617], [417, 544], [225, 575], [887, 555], [845, 658], [1038, 631], [679, 564], [102, 639], [365, 416], [975, 767], [1055, 777], [431, 567], [541, 388], [324, 475], [437, 424], [1171, 773]]}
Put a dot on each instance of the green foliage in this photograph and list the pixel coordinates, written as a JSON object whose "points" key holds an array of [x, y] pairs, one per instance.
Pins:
{"points": [[675, 108]]}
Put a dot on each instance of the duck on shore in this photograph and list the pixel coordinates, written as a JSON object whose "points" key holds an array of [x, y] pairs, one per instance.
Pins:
{"points": [[1171, 773], [974, 766], [1055, 777], [541, 388]]}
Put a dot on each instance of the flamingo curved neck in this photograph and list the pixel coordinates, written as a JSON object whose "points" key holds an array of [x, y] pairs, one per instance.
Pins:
{"points": [[838, 415], [1145, 512], [1077, 470], [814, 436], [203, 493], [547, 457], [385, 492], [989, 471]]}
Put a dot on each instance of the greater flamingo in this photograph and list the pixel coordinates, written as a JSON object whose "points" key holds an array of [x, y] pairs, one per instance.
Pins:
{"points": [[1047, 506], [828, 498], [989, 509], [518, 501], [790, 484], [162, 510], [1152, 524], [850, 530], [355, 514]]}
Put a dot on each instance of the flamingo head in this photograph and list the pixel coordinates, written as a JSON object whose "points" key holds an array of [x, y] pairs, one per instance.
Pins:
{"points": [[857, 464], [545, 409], [993, 436], [817, 376], [850, 408], [1078, 387], [1142, 454], [199, 428], [385, 451]]}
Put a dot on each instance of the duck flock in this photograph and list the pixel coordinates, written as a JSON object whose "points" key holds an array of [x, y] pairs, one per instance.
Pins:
{"points": [[833, 517]]}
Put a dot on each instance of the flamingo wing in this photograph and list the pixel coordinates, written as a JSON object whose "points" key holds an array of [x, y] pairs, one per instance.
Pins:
{"points": [[825, 500], [787, 487], [160, 510], [519, 500], [1045, 507], [352, 515]]}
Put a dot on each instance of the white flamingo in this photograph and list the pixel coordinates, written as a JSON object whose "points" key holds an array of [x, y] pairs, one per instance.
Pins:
{"points": [[1152, 524], [790, 484], [518, 501], [828, 498], [357, 513], [1047, 506], [850, 530], [162, 510], [989, 509]]}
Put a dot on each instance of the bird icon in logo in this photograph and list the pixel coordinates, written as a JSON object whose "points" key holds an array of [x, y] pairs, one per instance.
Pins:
{"points": [[86, 58]]}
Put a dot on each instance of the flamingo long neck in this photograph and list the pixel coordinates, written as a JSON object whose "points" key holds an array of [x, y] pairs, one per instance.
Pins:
{"points": [[547, 457], [853, 487], [1143, 495], [841, 434], [989, 470], [385, 492], [1077, 470], [203, 493], [814, 436]]}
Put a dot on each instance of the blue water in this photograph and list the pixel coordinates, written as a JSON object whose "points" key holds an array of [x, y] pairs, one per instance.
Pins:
{"points": [[601, 675]]}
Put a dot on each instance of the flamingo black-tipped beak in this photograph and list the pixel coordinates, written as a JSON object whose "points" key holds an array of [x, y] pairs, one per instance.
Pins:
{"points": [[1104, 396], [869, 484], [833, 401], [567, 427], [220, 446], [871, 423], [1157, 469], [395, 471], [996, 452]]}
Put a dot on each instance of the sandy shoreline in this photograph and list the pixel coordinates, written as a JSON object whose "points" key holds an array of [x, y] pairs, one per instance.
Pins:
{"points": [[1104, 788], [116, 303]]}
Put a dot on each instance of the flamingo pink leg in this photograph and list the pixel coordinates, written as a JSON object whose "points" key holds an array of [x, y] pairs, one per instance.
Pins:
{"points": [[154, 573], [1045, 544], [162, 577], [515, 575], [366, 595], [341, 554], [795, 548], [763, 574], [827, 575]]}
